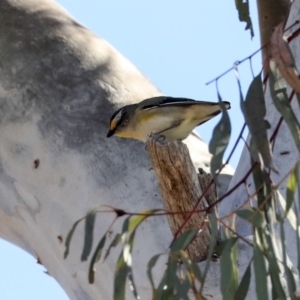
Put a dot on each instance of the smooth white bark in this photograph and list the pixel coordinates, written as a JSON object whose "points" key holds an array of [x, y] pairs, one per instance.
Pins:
{"points": [[59, 84]]}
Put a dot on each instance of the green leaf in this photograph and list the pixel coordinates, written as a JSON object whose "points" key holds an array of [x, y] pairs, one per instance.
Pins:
{"points": [[260, 274], [271, 249], [244, 14], [219, 248], [297, 231], [243, 288], [184, 240], [196, 271], [132, 285], [291, 188], [123, 270], [95, 259], [191, 267], [182, 289], [69, 237], [252, 215], [291, 282], [259, 181], [135, 221], [152, 262], [219, 141], [88, 234], [291, 216], [254, 110], [282, 103], [130, 224], [289, 276], [115, 242], [165, 289], [212, 243], [229, 270]]}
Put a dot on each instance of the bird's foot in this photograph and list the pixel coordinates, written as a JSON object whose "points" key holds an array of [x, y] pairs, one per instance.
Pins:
{"points": [[159, 138]]}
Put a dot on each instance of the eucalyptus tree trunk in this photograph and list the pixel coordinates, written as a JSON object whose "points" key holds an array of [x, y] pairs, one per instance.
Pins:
{"points": [[59, 84]]}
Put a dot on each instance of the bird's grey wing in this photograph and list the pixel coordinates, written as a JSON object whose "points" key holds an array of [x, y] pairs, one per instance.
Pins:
{"points": [[210, 116], [160, 101], [163, 101]]}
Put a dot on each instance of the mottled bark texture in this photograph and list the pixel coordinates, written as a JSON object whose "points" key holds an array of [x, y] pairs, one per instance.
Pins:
{"points": [[181, 188]]}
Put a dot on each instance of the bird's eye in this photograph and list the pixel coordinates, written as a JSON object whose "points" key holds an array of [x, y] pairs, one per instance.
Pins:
{"points": [[126, 120]]}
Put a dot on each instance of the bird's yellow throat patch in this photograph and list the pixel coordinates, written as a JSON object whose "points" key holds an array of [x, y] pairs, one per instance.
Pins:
{"points": [[125, 134], [112, 125]]}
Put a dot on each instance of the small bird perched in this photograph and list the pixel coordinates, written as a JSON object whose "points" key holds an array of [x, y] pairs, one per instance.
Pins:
{"points": [[172, 118]]}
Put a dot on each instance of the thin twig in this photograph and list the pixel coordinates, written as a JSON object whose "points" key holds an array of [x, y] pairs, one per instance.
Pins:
{"points": [[290, 38], [234, 232]]}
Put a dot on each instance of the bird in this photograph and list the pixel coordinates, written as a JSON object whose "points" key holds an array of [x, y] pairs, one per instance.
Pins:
{"points": [[163, 116]]}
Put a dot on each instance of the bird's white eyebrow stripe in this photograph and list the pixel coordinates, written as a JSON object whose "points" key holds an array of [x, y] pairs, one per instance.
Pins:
{"points": [[149, 107], [175, 103]]}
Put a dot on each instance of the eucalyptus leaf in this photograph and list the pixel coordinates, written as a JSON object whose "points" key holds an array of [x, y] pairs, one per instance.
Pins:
{"points": [[212, 243], [271, 249], [260, 274], [281, 100], [120, 278], [244, 14], [95, 259], [182, 289], [289, 276], [291, 188], [291, 216], [252, 215], [88, 234], [152, 262], [115, 242], [191, 267], [135, 221], [219, 141], [243, 287], [69, 238], [254, 110], [123, 270], [184, 240], [297, 231], [229, 270], [166, 287]]}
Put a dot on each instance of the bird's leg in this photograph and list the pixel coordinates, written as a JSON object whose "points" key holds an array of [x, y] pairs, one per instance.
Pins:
{"points": [[159, 134], [174, 124], [158, 138]]}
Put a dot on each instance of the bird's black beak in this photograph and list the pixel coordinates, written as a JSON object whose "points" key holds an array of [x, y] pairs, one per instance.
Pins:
{"points": [[110, 133]]}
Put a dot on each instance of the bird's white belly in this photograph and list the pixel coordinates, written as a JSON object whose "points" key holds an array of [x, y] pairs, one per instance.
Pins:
{"points": [[156, 125], [180, 132]]}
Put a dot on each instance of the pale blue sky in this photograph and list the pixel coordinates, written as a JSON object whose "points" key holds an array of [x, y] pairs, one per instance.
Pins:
{"points": [[179, 45]]}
